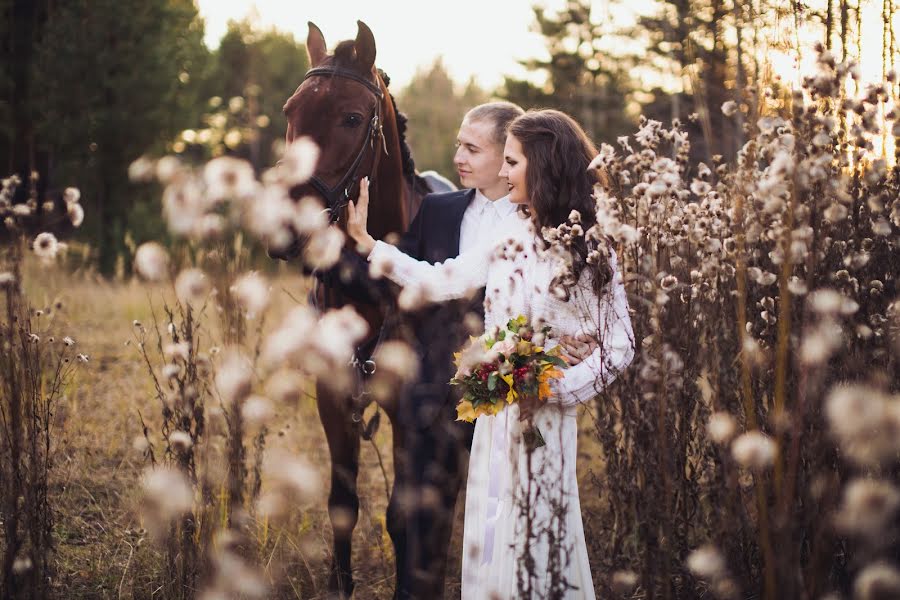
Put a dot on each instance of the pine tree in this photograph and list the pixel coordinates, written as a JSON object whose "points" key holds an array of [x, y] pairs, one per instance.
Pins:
{"points": [[581, 79], [100, 89]]}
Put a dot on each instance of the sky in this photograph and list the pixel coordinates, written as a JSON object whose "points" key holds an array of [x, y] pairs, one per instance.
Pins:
{"points": [[483, 39], [476, 38]]}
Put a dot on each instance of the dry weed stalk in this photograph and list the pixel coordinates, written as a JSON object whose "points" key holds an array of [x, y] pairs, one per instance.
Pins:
{"points": [[756, 287], [37, 363], [212, 401]]}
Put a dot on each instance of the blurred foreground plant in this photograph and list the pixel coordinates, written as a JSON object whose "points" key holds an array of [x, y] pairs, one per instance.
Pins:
{"points": [[757, 287], [37, 362], [218, 379]]}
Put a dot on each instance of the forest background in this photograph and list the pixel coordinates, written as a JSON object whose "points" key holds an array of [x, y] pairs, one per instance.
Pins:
{"points": [[84, 92], [761, 263]]}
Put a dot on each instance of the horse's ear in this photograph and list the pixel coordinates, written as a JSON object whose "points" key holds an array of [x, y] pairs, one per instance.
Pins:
{"points": [[315, 45], [365, 45]]}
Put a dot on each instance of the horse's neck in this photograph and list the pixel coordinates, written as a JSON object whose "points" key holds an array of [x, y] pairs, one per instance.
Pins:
{"points": [[388, 207]]}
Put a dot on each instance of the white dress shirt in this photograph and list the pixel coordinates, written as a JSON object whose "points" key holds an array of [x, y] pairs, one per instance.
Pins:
{"points": [[480, 221]]}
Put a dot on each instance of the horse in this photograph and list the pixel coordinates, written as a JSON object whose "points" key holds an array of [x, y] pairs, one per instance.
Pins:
{"points": [[344, 105]]}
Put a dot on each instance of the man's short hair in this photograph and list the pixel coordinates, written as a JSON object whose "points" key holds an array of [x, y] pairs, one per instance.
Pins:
{"points": [[500, 113]]}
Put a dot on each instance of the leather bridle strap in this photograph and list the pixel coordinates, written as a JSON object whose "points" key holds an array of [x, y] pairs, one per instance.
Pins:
{"points": [[338, 72], [338, 196]]}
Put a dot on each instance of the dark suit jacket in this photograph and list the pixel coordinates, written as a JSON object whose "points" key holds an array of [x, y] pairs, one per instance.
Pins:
{"points": [[438, 329]]}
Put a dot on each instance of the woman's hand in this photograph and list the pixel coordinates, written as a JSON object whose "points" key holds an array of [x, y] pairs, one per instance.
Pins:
{"points": [[576, 349], [357, 219]]}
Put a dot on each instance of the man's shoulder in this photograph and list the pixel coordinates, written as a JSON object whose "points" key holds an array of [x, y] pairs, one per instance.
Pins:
{"points": [[448, 199]]}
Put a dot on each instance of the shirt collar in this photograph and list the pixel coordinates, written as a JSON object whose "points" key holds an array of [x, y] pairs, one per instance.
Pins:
{"points": [[503, 206]]}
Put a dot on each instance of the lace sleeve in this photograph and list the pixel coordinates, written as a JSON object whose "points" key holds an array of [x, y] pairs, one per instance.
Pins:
{"points": [[608, 318], [454, 278]]}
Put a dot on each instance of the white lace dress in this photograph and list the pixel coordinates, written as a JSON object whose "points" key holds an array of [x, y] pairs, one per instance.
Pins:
{"points": [[523, 535]]}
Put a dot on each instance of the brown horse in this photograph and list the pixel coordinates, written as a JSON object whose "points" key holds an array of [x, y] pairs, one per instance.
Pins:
{"points": [[344, 105]]}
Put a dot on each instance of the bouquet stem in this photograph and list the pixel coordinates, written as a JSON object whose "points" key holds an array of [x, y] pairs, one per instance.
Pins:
{"points": [[532, 437]]}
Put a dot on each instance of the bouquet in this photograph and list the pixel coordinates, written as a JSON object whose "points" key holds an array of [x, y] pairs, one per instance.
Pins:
{"points": [[503, 366]]}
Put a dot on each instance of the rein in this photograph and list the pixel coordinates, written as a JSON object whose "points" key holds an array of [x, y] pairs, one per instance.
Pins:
{"points": [[338, 197]]}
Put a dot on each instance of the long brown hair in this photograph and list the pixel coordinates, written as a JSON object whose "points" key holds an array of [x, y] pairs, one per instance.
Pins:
{"points": [[558, 180]]}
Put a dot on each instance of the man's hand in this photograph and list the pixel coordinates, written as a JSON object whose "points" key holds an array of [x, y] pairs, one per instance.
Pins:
{"points": [[358, 218], [576, 349]]}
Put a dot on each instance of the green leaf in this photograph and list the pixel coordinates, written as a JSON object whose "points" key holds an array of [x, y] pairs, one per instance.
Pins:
{"points": [[492, 381], [556, 361]]}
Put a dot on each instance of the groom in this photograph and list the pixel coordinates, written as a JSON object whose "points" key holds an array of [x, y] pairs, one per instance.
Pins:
{"points": [[437, 445], [420, 513]]}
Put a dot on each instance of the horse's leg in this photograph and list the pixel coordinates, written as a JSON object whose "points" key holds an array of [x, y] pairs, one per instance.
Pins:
{"points": [[397, 511], [343, 500]]}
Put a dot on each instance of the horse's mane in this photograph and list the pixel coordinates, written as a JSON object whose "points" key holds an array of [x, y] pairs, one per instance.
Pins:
{"points": [[344, 56]]}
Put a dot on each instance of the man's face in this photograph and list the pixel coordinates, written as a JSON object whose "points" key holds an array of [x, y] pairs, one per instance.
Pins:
{"points": [[478, 157]]}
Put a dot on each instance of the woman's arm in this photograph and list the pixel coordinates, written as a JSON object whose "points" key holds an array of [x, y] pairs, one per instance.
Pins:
{"points": [[615, 352], [454, 278]]}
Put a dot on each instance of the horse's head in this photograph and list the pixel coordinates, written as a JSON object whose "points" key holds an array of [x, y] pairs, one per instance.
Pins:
{"points": [[343, 105]]}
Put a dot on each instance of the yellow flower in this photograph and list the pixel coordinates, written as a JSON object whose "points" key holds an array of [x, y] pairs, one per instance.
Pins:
{"points": [[549, 372], [495, 408], [465, 411], [511, 394]]}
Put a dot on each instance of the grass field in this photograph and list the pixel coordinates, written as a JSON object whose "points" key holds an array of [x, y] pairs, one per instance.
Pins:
{"points": [[103, 550]]}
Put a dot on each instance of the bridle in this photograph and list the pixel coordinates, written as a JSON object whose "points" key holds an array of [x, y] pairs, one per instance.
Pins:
{"points": [[337, 197]]}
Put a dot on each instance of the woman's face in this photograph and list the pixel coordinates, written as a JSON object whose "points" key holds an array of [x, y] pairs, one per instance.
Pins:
{"points": [[514, 165]]}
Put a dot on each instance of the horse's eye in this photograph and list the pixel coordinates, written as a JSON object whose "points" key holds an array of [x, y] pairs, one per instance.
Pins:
{"points": [[352, 120]]}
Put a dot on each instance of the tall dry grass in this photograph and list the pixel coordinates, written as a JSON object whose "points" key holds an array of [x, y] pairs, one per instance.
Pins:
{"points": [[747, 450], [38, 361], [750, 450]]}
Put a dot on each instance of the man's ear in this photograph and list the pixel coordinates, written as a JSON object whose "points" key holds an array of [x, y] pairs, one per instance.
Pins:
{"points": [[315, 45], [365, 46]]}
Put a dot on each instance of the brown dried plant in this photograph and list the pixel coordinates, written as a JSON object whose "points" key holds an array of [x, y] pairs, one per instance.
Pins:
{"points": [[755, 288], [37, 364]]}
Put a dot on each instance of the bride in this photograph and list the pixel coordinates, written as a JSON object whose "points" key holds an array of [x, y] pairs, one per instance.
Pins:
{"points": [[523, 534]]}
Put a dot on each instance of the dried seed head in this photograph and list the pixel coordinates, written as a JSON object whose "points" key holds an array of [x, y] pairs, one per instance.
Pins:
{"points": [[257, 412], [868, 507], [228, 177], [192, 286], [299, 161], [252, 292], [181, 350], [76, 214], [167, 492], [624, 582], [180, 441], [878, 581], [753, 450], [721, 427], [45, 246], [706, 562], [151, 261], [71, 195], [141, 170], [324, 248], [285, 387], [21, 564], [233, 377], [398, 359]]}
